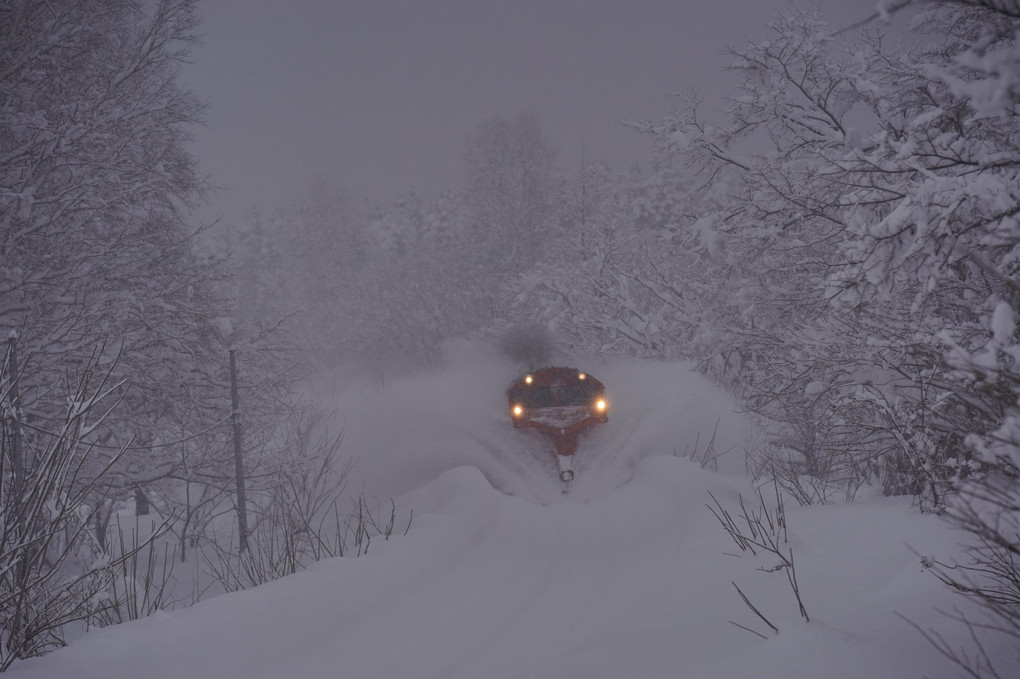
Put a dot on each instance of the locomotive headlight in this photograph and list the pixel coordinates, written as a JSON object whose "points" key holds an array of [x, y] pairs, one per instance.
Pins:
{"points": [[600, 405], [518, 411], [582, 376], [528, 379]]}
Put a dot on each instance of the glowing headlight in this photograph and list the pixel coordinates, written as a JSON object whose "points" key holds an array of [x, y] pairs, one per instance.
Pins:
{"points": [[582, 376], [600, 404], [518, 411], [527, 379]]}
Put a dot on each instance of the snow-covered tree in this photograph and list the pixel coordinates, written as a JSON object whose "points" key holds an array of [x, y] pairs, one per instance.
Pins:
{"points": [[608, 282], [96, 180], [838, 357], [98, 265], [870, 232]]}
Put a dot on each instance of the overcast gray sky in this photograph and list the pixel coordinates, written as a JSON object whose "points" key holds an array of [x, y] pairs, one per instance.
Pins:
{"points": [[380, 95]]}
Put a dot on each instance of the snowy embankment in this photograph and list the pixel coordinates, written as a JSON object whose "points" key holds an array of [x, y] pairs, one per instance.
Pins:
{"points": [[502, 576]]}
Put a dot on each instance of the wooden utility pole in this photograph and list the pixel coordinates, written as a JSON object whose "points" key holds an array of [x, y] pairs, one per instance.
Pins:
{"points": [[18, 470], [17, 463], [242, 520]]}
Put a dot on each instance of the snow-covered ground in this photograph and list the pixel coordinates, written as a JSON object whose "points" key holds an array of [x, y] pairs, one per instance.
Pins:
{"points": [[501, 575]]}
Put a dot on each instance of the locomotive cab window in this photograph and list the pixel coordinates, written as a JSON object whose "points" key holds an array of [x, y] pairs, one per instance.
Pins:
{"points": [[533, 397]]}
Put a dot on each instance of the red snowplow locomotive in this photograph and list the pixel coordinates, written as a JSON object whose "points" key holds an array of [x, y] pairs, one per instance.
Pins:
{"points": [[561, 403]]}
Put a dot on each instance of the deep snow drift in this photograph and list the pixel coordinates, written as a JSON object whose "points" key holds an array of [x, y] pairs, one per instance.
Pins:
{"points": [[503, 576]]}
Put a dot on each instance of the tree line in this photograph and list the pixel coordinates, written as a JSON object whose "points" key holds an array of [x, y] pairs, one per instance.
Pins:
{"points": [[115, 380]]}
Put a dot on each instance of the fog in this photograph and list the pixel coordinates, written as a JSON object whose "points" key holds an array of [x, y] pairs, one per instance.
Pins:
{"points": [[380, 96]]}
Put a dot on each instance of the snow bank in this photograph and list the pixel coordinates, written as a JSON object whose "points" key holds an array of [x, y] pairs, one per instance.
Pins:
{"points": [[502, 576]]}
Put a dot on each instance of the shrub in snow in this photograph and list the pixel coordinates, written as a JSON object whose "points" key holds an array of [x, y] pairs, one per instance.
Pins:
{"points": [[53, 569]]}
